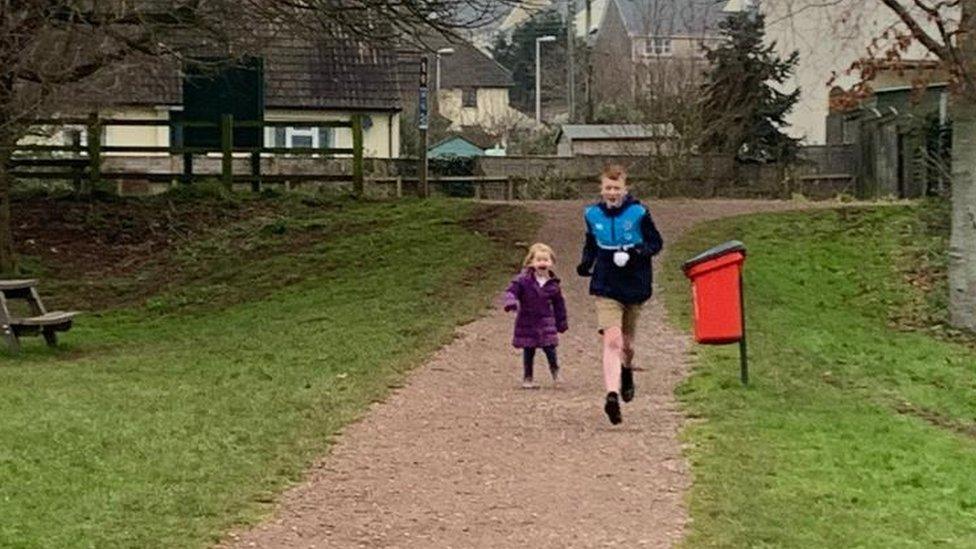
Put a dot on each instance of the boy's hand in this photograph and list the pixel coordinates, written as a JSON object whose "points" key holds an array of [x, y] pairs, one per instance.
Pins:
{"points": [[583, 269]]}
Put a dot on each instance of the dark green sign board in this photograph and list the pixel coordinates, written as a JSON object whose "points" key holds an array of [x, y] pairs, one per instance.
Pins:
{"points": [[214, 87]]}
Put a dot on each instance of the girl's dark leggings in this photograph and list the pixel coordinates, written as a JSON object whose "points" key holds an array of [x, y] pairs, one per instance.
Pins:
{"points": [[528, 357]]}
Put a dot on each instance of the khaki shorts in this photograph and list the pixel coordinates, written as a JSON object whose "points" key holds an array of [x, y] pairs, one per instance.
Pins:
{"points": [[611, 313]]}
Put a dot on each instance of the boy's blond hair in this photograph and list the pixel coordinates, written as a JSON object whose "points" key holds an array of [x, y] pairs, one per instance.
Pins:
{"points": [[615, 172], [536, 248]]}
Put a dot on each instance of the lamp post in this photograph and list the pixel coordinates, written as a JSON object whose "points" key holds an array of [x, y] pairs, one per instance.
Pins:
{"points": [[439, 53], [538, 73]]}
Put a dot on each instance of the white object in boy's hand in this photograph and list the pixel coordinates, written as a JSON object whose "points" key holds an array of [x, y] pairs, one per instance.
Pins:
{"points": [[620, 258]]}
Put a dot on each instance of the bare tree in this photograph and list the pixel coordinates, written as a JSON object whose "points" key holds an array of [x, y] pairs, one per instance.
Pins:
{"points": [[61, 56]]}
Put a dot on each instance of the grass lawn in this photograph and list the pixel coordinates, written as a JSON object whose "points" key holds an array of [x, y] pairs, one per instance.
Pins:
{"points": [[163, 422], [855, 431]]}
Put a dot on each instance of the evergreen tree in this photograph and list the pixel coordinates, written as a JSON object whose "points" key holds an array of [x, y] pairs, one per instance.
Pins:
{"points": [[517, 54], [742, 104]]}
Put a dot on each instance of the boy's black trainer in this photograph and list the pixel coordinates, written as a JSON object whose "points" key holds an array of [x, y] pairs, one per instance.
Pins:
{"points": [[627, 384], [612, 408]]}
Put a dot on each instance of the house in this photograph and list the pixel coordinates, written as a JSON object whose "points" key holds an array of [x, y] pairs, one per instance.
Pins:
{"points": [[302, 82], [474, 90], [587, 19], [652, 47], [616, 139], [829, 38]]}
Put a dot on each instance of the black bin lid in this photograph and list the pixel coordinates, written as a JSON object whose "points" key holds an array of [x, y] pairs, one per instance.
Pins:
{"points": [[712, 253]]}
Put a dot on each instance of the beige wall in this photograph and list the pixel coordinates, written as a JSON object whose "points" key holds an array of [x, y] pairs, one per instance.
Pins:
{"points": [[149, 136], [143, 136], [829, 36], [493, 110], [381, 140]]}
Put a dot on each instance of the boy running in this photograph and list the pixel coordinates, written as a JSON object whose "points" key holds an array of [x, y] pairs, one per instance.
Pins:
{"points": [[620, 240]]}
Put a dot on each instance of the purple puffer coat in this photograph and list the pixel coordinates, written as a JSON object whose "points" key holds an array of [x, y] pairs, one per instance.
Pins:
{"points": [[541, 310]]}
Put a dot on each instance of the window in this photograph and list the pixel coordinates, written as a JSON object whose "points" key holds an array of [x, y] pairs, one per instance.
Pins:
{"points": [[301, 137], [469, 97], [658, 46]]}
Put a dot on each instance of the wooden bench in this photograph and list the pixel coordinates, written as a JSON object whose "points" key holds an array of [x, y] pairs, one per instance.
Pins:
{"points": [[40, 321]]}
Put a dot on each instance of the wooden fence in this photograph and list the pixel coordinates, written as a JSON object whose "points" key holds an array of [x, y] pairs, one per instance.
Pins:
{"points": [[83, 163]]}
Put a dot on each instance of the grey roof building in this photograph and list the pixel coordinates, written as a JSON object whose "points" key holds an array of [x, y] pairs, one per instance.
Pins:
{"points": [[671, 17], [653, 47], [615, 139], [298, 74]]}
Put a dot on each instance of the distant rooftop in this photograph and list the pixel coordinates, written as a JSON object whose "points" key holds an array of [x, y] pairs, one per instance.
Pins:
{"points": [[617, 131]]}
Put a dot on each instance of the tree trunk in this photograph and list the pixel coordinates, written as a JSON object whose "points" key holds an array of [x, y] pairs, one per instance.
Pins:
{"points": [[8, 261], [962, 243]]}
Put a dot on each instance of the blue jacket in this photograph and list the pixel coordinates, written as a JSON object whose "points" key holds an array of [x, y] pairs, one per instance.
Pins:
{"points": [[629, 228]]}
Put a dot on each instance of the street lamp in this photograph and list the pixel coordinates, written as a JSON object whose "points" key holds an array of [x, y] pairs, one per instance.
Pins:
{"points": [[538, 71], [439, 53]]}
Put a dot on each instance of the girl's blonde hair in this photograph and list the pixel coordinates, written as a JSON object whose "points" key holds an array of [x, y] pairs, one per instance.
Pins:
{"points": [[537, 248]]}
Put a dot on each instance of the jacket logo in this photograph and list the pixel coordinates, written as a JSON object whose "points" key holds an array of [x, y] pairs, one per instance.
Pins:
{"points": [[599, 226], [628, 225]]}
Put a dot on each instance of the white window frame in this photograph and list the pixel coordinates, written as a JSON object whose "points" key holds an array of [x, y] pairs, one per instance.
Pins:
{"points": [[301, 131], [658, 46]]}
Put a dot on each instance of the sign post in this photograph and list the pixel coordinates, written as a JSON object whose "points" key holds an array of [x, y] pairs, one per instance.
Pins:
{"points": [[422, 124]]}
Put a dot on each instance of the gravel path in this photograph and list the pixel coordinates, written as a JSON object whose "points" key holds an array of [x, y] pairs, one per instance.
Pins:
{"points": [[462, 457]]}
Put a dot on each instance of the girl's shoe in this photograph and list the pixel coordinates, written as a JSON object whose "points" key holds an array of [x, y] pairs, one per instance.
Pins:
{"points": [[529, 384], [555, 376]]}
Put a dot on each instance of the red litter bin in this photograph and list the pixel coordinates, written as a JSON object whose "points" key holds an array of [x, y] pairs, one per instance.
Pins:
{"points": [[716, 289]]}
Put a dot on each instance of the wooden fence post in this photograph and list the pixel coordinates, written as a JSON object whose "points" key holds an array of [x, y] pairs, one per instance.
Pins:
{"points": [[77, 171], [357, 155], [187, 168], [94, 153], [256, 172], [227, 150]]}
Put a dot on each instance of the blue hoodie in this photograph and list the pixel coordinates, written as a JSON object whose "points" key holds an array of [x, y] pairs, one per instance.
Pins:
{"points": [[630, 284]]}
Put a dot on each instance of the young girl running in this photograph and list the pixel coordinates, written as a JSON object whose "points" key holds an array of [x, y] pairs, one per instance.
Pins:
{"points": [[535, 294]]}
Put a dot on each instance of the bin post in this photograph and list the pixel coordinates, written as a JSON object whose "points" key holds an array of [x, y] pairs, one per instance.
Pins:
{"points": [[743, 358]]}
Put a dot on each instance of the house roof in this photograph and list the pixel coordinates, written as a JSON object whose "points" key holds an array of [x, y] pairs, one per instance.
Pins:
{"points": [[469, 67], [671, 17], [455, 145], [602, 132], [298, 74]]}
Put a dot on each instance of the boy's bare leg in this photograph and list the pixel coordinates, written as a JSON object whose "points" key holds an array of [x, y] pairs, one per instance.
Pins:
{"points": [[613, 344]]}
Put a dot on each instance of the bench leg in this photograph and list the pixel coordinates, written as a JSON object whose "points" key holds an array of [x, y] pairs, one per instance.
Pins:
{"points": [[12, 343], [51, 337]]}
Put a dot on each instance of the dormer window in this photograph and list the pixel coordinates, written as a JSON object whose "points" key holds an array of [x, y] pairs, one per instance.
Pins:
{"points": [[658, 46]]}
